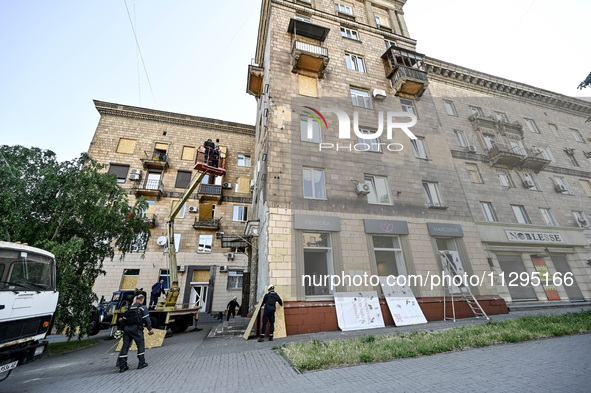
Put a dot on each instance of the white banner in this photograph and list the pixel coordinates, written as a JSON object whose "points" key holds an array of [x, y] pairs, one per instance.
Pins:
{"points": [[452, 258], [358, 310], [402, 303]]}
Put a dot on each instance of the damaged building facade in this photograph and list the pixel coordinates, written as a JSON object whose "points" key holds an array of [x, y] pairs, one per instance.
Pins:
{"points": [[152, 153], [499, 175]]}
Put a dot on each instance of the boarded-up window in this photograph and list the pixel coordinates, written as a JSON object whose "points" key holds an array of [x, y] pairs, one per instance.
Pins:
{"points": [[188, 153], [307, 86], [119, 170], [205, 211], [161, 146], [183, 178], [126, 146], [200, 276], [130, 277], [243, 185]]}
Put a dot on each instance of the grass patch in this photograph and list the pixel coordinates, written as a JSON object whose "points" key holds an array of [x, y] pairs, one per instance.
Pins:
{"points": [[67, 346], [316, 355]]}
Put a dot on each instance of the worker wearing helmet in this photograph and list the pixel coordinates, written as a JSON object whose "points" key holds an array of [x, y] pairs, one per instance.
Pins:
{"points": [[232, 307], [269, 312]]}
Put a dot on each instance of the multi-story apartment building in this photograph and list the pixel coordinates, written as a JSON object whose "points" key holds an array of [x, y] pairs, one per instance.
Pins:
{"points": [[152, 153], [499, 173]]}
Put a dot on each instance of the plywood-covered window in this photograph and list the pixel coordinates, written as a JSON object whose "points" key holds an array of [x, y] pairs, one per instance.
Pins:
{"points": [[129, 279], [188, 153], [126, 146]]}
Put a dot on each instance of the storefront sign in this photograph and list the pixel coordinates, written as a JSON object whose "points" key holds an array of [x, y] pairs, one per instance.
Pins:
{"points": [[317, 223], [386, 227], [533, 237], [449, 230]]}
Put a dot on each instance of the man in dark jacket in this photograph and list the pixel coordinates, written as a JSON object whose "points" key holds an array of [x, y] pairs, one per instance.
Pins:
{"points": [[269, 312], [232, 307], [209, 148], [157, 290], [133, 321]]}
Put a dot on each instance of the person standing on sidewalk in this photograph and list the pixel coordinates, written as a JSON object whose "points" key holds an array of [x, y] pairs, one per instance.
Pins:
{"points": [[269, 312], [232, 307], [133, 322]]}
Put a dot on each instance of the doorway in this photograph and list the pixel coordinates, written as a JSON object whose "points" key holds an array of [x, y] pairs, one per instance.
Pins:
{"points": [[198, 296]]}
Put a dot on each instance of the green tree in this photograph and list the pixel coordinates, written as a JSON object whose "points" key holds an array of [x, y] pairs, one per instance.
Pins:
{"points": [[585, 83], [73, 210]]}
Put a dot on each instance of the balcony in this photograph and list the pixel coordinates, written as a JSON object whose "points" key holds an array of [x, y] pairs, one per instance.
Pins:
{"points": [[534, 161], [211, 224], [155, 160], [210, 192], [307, 29], [149, 187], [503, 155], [254, 86], [406, 69], [479, 122], [309, 57]]}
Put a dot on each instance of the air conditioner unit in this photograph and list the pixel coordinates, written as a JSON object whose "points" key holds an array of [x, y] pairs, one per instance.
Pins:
{"points": [[223, 268], [219, 235], [379, 94], [180, 268], [528, 183], [193, 209], [583, 223], [560, 188], [227, 185], [363, 189], [230, 255], [134, 176], [135, 171], [471, 149]]}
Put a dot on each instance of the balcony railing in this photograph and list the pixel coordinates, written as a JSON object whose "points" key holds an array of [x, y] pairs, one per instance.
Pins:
{"points": [[211, 189], [213, 224], [150, 187], [309, 57], [407, 71]]}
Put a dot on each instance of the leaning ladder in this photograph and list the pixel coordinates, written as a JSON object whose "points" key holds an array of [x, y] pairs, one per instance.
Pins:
{"points": [[465, 293]]}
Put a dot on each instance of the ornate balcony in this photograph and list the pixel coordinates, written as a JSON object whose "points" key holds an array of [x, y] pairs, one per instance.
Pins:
{"points": [[212, 224], [254, 85], [480, 122], [309, 57], [149, 187], [407, 71], [503, 155]]}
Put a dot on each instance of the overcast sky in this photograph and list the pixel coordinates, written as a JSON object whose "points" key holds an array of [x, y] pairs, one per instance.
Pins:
{"points": [[55, 57]]}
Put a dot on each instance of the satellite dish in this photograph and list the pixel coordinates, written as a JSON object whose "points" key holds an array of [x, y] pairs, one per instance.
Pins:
{"points": [[161, 241]]}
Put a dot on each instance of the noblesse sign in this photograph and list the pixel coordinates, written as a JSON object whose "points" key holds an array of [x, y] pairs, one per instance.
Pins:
{"points": [[533, 237]]}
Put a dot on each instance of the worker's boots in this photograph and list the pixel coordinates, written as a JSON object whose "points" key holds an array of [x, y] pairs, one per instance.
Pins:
{"points": [[271, 337], [261, 339], [142, 362], [123, 364]]}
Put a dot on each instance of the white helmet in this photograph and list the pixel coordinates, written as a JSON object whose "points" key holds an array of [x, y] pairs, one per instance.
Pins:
{"points": [[235, 298], [271, 287]]}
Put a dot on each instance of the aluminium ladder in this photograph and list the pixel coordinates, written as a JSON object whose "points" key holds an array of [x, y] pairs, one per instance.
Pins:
{"points": [[464, 291]]}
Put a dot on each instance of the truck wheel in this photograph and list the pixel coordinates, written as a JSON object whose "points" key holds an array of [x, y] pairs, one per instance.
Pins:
{"points": [[179, 325], [94, 327]]}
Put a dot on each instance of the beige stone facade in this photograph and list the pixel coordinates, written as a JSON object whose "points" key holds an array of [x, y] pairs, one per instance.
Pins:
{"points": [[309, 55], [152, 153]]}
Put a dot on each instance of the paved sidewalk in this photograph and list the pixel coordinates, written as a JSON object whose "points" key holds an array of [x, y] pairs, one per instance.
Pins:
{"points": [[192, 362]]}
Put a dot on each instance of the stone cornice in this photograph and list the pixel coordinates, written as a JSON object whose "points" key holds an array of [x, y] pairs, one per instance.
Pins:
{"points": [[108, 108], [478, 81]]}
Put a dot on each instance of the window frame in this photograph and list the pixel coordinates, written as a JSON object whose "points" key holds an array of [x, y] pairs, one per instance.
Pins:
{"points": [[346, 30], [373, 143], [563, 181], [356, 93], [314, 193], [418, 147], [371, 181], [463, 138], [406, 103], [315, 129], [490, 211], [431, 188], [523, 218], [240, 212], [204, 240], [586, 185], [531, 125], [354, 61], [239, 278], [474, 170], [345, 7], [398, 254], [549, 217], [476, 110], [503, 172], [329, 260], [501, 116], [580, 215], [577, 135], [547, 153], [525, 176], [246, 160], [449, 107], [117, 170]]}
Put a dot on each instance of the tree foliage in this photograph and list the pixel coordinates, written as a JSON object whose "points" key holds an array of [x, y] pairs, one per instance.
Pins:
{"points": [[73, 210], [585, 83]]}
